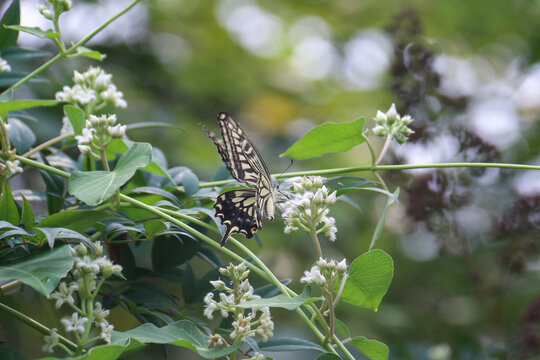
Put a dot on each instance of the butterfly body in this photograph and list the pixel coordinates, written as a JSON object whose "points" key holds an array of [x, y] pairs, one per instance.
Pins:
{"points": [[242, 211]]}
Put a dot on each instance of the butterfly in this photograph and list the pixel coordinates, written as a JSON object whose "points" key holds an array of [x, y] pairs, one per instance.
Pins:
{"points": [[241, 211]]}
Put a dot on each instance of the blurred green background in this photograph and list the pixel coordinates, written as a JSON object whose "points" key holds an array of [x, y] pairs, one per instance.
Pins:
{"points": [[465, 242]]}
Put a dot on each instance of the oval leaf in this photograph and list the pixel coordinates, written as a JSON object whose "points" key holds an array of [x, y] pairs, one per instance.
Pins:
{"points": [[20, 135], [93, 187], [370, 275], [281, 301], [42, 272], [288, 344], [373, 349], [327, 137]]}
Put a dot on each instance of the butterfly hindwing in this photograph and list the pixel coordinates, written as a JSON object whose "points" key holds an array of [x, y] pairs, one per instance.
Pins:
{"points": [[238, 212], [241, 211]]}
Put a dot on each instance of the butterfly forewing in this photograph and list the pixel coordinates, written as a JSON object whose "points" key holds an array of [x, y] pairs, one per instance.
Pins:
{"points": [[241, 211]]}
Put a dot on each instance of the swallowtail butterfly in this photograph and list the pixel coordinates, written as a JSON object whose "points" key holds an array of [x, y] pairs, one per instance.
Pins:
{"points": [[241, 211]]}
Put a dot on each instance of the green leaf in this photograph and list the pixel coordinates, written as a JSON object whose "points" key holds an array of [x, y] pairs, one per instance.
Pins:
{"points": [[182, 333], [288, 344], [327, 137], [7, 354], [51, 234], [12, 16], [93, 54], [382, 218], [8, 208], [42, 272], [11, 77], [281, 301], [93, 187], [342, 329], [27, 216], [373, 349], [49, 33], [328, 356], [16, 53], [20, 135], [187, 178], [154, 227], [6, 107], [76, 118], [76, 220], [370, 275]]}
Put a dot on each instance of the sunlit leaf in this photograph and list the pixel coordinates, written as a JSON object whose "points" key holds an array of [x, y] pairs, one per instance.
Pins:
{"points": [[327, 137], [370, 275], [93, 187]]}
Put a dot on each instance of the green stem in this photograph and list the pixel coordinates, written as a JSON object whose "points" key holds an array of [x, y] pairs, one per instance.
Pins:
{"points": [[315, 239], [337, 171], [72, 49], [34, 324], [385, 148], [47, 143]]}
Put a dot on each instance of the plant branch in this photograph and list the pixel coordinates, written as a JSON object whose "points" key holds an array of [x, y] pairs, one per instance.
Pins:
{"points": [[385, 148], [47, 143], [34, 324]]}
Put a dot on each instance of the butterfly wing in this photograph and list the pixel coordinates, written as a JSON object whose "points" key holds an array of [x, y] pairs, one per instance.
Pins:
{"points": [[238, 212]]}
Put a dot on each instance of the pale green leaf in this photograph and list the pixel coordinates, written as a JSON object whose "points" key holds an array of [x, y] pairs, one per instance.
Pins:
{"points": [[373, 349]]}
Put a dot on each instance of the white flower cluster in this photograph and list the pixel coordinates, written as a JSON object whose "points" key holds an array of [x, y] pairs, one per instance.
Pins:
{"points": [[98, 128], [93, 89], [308, 207], [13, 167], [4, 66], [85, 283], [58, 7], [393, 123], [257, 322], [325, 273]]}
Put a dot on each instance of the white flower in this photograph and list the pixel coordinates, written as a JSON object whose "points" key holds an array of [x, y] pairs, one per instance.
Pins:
{"points": [[75, 323], [266, 327], [257, 356], [210, 307], [242, 326], [342, 266], [313, 276], [51, 341], [112, 95], [391, 123], [218, 285], [106, 331], [44, 10], [86, 264], [215, 340], [13, 167], [85, 149], [67, 128], [87, 136], [99, 313], [4, 66], [117, 131], [64, 294]]}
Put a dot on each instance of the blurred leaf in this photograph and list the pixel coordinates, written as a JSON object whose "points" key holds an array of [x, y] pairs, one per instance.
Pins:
{"points": [[8, 207], [342, 329], [187, 178], [18, 53], [158, 191], [150, 125], [76, 220], [169, 251], [373, 349], [27, 216], [270, 290], [7, 354], [42, 271], [6, 107], [54, 185], [127, 260], [12, 77], [92, 54], [328, 356], [281, 301], [382, 218], [76, 118], [189, 285], [51, 234], [288, 344], [94, 187], [20, 135], [12, 16], [210, 256], [49, 33], [327, 137], [370, 275]]}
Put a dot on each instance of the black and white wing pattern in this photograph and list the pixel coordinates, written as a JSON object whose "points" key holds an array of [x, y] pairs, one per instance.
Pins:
{"points": [[241, 211]]}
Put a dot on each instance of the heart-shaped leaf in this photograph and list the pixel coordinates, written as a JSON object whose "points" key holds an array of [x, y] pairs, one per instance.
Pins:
{"points": [[373, 349], [370, 275]]}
